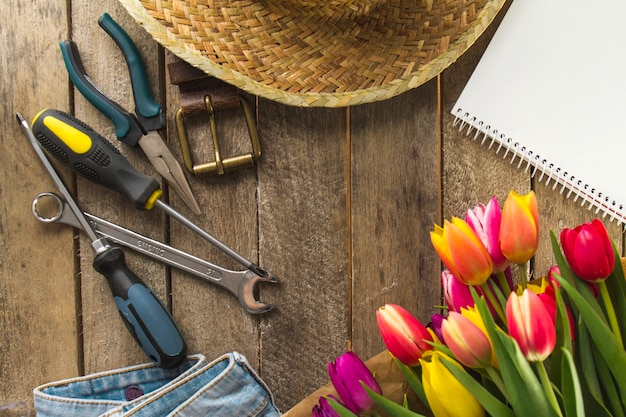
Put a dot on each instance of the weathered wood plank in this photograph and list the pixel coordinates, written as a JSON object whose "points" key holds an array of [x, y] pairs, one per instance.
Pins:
{"points": [[107, 343], [303, 240], [211, 319], [395, 200], [38, 314], [471, 172]]}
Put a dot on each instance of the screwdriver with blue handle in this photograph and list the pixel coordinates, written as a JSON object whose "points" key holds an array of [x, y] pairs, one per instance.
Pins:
{"points": [[95, 158], [140, 128], [145, 316]]}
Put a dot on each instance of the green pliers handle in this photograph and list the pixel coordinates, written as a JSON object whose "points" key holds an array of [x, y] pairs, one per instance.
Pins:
{"points": [[148, 111], [127, 128]]}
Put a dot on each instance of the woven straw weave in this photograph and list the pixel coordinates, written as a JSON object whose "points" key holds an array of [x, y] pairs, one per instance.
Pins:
{"points": [[318, 53]]}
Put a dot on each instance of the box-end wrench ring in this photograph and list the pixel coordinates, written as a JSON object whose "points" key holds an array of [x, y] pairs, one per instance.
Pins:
{"points": [[242, 284]]}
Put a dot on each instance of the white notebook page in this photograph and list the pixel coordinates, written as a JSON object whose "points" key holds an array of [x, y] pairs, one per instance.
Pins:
{"points": [[553, 81]]}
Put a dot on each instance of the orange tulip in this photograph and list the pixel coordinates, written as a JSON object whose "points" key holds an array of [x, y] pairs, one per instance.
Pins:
{"points": [[519, 230], [462, 251]]}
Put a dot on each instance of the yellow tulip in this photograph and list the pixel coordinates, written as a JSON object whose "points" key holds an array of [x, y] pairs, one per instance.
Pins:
{"points": [[446, 396]]}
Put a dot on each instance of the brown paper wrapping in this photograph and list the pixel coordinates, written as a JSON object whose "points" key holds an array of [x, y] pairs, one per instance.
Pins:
{"points": [[389, 377]]}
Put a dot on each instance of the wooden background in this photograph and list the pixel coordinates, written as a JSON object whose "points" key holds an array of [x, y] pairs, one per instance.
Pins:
{"points": [[339, 208]]}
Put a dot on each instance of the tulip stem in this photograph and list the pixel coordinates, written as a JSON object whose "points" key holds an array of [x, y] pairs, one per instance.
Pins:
{"points": [[504, 283], [497, 380], [493, 301], [547, 387], [523, 275], [610, 311]]}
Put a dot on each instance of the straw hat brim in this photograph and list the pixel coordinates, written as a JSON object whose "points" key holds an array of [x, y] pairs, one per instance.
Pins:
{"points": [[312, 53]]}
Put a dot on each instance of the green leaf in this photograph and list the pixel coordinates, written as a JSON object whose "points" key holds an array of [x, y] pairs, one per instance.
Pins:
{"points": [[340, 408], [603, 339], [414, 380], [588, 367], [535, 402], [616, 285], [389, 406], [570, 387], [494, 406], [524, 391], [609, 388], [563, 338]]}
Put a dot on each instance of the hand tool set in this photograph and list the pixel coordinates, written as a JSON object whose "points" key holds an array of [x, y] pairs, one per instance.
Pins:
{"points": [[92, 156]]}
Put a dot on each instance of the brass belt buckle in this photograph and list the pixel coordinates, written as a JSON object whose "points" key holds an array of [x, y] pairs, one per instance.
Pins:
{"points": [[220, 165]]}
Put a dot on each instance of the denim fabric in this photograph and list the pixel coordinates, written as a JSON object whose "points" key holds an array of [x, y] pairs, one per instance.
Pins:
{"points": [[228, 386]]}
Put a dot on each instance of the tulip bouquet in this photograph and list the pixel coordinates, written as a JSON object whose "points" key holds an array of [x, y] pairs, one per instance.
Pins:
{"points": [[550, 347]]}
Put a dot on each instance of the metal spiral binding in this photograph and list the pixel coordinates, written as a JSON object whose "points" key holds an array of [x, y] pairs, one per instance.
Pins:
{"points": [[548, 172]]}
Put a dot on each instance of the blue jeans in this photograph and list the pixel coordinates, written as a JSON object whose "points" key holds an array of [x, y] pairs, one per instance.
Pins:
{"points": [[228, 386]]}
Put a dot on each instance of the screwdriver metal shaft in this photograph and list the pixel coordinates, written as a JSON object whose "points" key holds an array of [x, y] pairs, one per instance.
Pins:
{"points": [[217, 243]]}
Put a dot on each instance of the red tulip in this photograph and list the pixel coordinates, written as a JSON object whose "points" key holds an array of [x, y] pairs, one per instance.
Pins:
{"points": [[403, 334], [548, 298], [531, 326], [347, 373], [462, 252], [589, 251], [519, 229]]}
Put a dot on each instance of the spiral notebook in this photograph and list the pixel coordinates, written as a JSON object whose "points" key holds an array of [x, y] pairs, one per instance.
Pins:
{"points": [[550, 94]]}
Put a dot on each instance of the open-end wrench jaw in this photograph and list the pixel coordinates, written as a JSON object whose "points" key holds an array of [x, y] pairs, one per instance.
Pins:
{"points": [[247, 290]]}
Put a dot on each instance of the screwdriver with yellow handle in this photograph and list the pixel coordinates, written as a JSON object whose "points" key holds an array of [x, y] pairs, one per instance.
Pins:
{"points": [[95, 158], [145, 316]]}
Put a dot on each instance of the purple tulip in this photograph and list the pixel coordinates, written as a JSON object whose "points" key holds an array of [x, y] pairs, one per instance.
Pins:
{"points": [[485, 220], [323, 409], [436, 323], [346, 373]]}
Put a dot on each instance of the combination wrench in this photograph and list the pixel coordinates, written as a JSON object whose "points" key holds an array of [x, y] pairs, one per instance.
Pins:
{"points": [[242, 284]]}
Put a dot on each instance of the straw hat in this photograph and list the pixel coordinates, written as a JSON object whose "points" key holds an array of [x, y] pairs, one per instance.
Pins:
{"points": [[317, 53]]}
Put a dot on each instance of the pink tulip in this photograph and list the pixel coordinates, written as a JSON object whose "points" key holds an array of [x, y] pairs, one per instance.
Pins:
{"points": [[589, 251], [403, 334], [467, 342], [456, 293], [519, 228], [531, 326], [485, 221]]}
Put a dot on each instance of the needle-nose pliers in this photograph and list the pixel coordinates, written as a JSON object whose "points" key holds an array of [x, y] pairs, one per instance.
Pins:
{"points": [[132, 129]]}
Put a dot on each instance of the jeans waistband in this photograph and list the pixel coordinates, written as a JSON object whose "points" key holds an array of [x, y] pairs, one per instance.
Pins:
{"points": [[226, 386]]}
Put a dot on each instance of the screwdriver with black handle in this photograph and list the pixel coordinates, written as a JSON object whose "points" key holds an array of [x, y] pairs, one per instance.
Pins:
{"points": [[145, 316], [96, 159]]}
